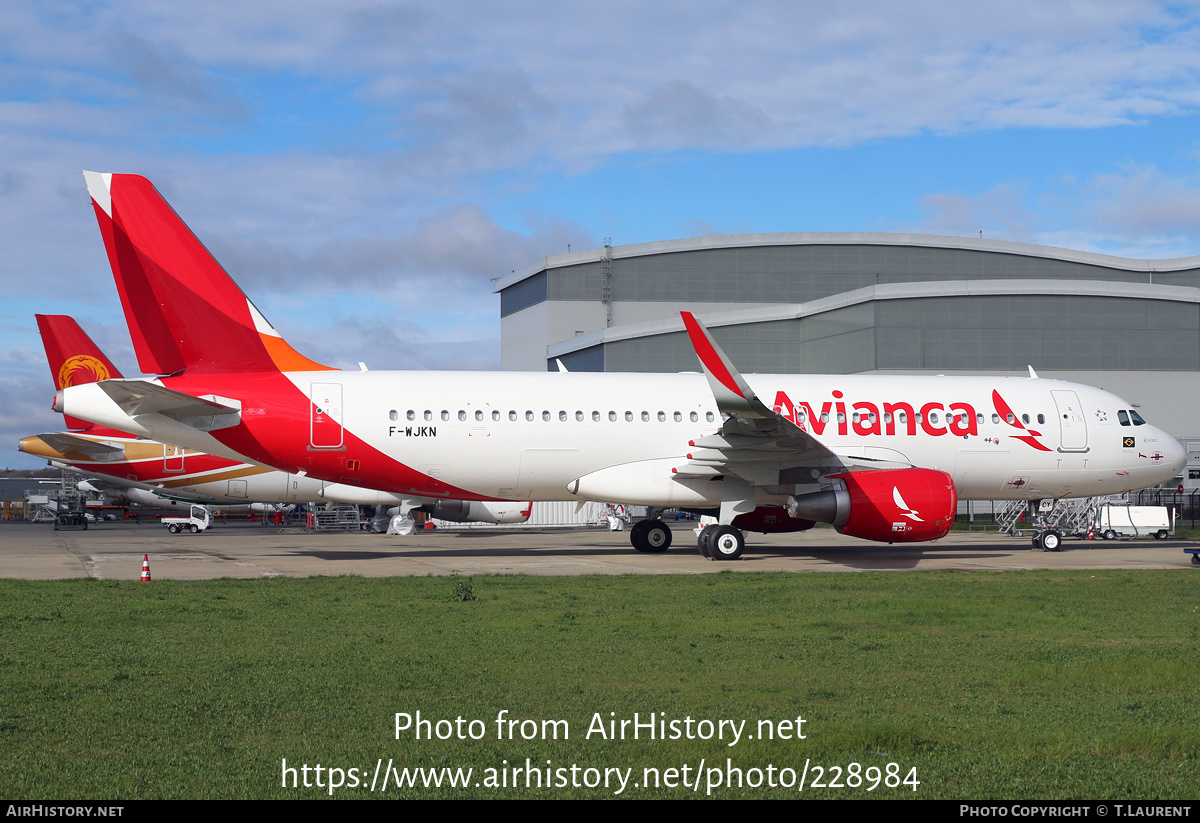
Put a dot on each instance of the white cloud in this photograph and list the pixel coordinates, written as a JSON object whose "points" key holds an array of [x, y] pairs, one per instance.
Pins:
{"points": [[445, 106], [1144, 203], [1137, 212], [1000, 213]]}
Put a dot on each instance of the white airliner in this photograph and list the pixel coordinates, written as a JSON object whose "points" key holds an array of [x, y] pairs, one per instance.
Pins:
{"points": [[158, 474], [880, 457]]}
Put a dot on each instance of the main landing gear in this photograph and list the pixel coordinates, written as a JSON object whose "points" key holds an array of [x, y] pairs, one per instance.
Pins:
{"points": [[721, 543], [715, 542], [650, 536]]}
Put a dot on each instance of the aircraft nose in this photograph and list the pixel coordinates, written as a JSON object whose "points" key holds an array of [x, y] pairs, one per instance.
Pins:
{"points": [[1175, 453]]}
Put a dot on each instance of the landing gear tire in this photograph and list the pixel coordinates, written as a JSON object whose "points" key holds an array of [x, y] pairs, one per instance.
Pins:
{"points": [[1109, 534], [702, 541], [651, 536], [1051, 541], [726, 543]]}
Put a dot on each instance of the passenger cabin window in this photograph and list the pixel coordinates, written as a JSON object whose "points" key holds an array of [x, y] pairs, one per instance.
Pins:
{"points": [[393, 416]]}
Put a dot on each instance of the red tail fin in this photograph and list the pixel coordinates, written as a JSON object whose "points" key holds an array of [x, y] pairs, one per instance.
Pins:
{"points": [[183, 310], [72, 356]]}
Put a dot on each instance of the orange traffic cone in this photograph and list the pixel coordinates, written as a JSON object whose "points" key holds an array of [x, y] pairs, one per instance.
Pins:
{"points": [[145, 568], [1091, 535]]}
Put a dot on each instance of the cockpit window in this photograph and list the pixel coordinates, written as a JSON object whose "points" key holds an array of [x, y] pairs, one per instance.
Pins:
{"points": [[1137, 418], [1123, 416]]}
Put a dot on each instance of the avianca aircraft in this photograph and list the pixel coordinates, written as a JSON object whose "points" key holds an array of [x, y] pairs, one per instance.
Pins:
{"points": [[880, 457], [154, 473]]}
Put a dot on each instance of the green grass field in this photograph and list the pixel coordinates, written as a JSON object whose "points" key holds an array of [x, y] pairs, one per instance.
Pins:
{"points": [[1020, 685]]}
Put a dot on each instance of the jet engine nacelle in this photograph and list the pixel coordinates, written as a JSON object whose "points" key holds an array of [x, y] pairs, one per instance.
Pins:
{"points": [[899, 505], [888, 505]]}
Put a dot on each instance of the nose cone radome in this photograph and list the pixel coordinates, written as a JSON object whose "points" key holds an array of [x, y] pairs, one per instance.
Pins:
{"points": [[1174, 455]]}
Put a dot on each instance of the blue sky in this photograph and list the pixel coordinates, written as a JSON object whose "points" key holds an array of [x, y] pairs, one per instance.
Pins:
{"points": [[363, 169]]}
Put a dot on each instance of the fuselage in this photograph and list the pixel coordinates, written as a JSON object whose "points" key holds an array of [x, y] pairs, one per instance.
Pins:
{"points": [[527, 436]]}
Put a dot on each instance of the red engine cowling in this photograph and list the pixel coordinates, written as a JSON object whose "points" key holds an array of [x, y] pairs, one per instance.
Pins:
{"points": [[900, 505], [770, 520]]}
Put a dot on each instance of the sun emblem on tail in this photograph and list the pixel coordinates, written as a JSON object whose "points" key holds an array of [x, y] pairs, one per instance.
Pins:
{"points": [[82, 368]]}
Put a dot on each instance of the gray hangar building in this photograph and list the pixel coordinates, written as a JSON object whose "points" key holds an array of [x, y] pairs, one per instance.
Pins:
{"points": [[870, 303]]}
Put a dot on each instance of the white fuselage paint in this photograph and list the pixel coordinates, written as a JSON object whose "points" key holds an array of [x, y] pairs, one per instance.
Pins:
{"points": [[536, 459], [1079, 450]]}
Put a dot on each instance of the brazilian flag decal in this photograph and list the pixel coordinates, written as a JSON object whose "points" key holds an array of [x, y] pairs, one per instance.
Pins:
{"points": [[1127, 442]]}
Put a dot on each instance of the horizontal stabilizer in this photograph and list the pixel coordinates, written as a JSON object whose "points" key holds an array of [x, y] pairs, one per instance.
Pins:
{"points": [[62, 445], [141, 397]]}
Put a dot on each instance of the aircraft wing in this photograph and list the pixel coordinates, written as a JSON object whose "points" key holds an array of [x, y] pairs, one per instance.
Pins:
{"points": [[138, 397], [754, 441]]}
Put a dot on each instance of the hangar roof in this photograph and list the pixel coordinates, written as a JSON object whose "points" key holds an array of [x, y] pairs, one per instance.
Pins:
{"points": [[846, 239]]}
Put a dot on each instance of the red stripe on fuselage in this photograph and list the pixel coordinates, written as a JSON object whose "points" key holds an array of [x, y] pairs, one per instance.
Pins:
{"points": [[277, 420]]}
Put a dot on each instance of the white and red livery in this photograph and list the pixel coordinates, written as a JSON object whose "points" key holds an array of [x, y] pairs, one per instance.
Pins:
{"points": [[880, 457]]}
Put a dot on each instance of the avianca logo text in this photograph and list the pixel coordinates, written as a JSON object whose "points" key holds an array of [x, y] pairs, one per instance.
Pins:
{"points": [[866, 418]]}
